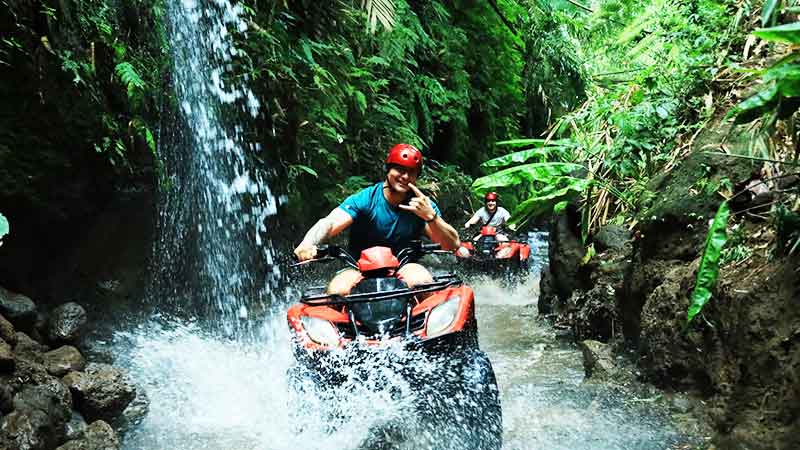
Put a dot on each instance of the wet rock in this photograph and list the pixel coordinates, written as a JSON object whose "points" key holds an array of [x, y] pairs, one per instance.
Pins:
{"points": [[29, 430], [611, 236], [6, 397], [101, 392], [97, 436], [547, 297], [135, 412], [7, 332], [66, 323], [76, 426], [7, 358], [98, 351], [29, 349], [565, 253], [18, 309], [64, 359], [598, 359], [680, 403], [592, 314], [39, 417]]}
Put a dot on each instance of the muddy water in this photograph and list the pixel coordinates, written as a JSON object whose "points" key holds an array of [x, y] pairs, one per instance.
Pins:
{"points": [[206, 392], [546, 402]]}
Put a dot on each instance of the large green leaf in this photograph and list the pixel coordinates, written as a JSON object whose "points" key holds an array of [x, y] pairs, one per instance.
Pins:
{"points": [[757, 105], [535, 143], [550, 199], [768, 11], [4, 227], [522, 156], [789, 33], [541, 172], [709, 264]]}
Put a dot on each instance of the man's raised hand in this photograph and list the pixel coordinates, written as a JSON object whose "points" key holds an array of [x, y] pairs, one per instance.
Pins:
{"points": [[420, 205]]}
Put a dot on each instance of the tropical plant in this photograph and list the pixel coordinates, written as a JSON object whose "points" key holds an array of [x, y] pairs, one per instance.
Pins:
{"points": [[539, 187], [645, 67], [709, 263]]}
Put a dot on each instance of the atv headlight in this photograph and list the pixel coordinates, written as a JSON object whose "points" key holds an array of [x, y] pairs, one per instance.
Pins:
{"points": [[442, 316], [505, 252], [321, 331]]}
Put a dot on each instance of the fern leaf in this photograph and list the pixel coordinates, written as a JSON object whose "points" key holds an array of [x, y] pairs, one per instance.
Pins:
{"points": [[131, 80]]}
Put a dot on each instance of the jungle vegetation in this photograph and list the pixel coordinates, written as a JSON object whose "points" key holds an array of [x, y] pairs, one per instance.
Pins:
{"points": [[547, 101]]}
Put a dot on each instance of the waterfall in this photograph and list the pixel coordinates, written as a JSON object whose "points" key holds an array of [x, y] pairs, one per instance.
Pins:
{"points": [[212, 252]]}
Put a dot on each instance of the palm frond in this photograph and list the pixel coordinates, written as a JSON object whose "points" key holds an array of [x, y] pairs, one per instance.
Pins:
{"points": [[379, 11]]}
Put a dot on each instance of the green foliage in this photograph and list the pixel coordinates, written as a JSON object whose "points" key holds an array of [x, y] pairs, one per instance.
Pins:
{"points": [[645, 67], [779, 94], [788, 33], [132, 81], [736, 249], [445, 77], [709, 263], [379, 11], [540, 187]]}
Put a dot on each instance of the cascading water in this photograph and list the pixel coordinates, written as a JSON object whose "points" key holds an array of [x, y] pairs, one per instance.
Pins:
{"points": [[215, 199]]}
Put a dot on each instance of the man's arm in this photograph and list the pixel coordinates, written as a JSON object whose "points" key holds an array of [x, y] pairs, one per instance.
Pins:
{"points": [[475, 219], [327, 227], [443, 234]]}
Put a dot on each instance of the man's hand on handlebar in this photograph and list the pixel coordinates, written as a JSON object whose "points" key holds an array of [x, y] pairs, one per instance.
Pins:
{"points": [[305, 251]]}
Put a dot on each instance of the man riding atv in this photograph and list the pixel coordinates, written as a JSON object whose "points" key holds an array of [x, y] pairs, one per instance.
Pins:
{"points": [[390, 213], [490, 215]]}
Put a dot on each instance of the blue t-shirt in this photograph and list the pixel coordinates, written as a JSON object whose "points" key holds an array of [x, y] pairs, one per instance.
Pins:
{"points": [[376, 222]]}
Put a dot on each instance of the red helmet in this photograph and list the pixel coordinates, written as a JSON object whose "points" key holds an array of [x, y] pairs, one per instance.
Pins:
{"points": [[405, 155], [491, 196]]}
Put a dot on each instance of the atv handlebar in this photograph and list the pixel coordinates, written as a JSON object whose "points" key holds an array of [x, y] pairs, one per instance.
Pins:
{"points": [[326, 253]]}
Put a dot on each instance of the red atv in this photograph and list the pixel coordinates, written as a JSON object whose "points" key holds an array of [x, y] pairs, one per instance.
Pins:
{"points": [[432, 322], [490, 251]]}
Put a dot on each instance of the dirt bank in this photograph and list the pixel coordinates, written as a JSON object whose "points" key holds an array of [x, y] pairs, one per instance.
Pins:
{"points": [[739, 359]]}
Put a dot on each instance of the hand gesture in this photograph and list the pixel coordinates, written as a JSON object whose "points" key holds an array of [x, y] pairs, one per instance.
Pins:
{"points": [[305, 251], [420, 205]]}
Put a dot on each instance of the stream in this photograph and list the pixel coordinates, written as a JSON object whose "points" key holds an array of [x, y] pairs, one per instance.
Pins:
{"points": [[212, 392]]}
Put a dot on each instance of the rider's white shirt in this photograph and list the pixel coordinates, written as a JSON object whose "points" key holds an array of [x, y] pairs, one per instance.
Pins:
{"points": [[500, 217]]}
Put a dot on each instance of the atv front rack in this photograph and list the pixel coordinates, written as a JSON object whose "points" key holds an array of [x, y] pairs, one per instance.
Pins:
{"points": [[441, 282]]}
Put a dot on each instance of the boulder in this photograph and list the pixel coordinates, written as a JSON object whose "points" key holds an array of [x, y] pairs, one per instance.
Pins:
{"points": [[565, 254], [29, 349], [66, 323], [30, 430], [39, 417], [101, 392], [611, 237], [6, 397], [64, 359], [592, 314], [7, 332], [97, 436], [18, 309], [134, 413], [598, 360], [76, 426], [7, 358]]}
